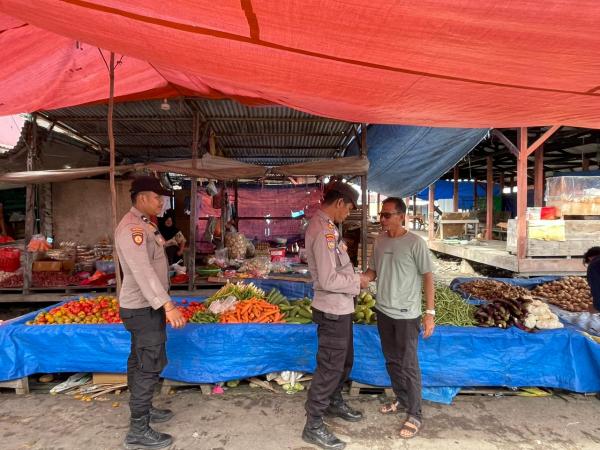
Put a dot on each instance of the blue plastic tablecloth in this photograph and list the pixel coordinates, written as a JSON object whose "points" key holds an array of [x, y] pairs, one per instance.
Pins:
{"points": [[453, 356]]}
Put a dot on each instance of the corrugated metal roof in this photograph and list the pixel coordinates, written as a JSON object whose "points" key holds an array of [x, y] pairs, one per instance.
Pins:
{"points": [[144, 131]]}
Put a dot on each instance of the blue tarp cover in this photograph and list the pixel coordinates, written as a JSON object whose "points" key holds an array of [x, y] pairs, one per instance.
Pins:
{"points": [[445, 190], [405, 159], [453, 356]]}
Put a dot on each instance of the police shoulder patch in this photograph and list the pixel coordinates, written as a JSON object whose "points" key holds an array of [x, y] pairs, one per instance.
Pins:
{"points": [[330, 238], [137, 234]]}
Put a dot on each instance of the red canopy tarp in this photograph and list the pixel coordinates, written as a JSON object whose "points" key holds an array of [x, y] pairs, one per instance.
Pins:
{"points": [[463, 63]]}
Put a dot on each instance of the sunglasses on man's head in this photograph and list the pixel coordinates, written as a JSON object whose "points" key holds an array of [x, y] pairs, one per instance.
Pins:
{"points": [[386, 214]]}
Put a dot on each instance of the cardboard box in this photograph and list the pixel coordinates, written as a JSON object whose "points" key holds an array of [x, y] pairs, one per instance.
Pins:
{"points": [[109, 378], [47, 266], [68, 266]]}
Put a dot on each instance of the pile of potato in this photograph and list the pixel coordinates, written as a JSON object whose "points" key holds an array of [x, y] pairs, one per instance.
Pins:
{"points": [[569, 293]]}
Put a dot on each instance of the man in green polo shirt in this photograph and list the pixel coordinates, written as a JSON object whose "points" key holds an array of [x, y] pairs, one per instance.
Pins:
{"points": [[402, 267]]}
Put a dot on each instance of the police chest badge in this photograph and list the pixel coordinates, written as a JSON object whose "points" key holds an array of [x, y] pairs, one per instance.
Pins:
{"points": [[137, 234], [330, 241]]}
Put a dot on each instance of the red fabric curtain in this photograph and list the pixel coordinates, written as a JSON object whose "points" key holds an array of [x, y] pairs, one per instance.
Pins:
{"points": [[464, 63]]}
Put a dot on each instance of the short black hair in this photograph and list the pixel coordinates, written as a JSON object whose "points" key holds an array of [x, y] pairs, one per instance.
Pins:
{"points": [[332, 196], [398, 204], [134, 196], [592, 253]]}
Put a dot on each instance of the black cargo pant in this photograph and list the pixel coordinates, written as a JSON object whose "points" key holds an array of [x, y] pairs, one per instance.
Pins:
{"points": [[335, 356], [399, 341], [148, 355]]}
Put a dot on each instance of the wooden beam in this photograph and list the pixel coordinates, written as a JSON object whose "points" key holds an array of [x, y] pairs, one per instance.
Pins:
{"points": [[191, 264], [543, 138], [475, 194], [509, 145], [455, 191], [113, 186], [522, 194], [365, 201], [489, 199], [539, 177], [431, 206]]}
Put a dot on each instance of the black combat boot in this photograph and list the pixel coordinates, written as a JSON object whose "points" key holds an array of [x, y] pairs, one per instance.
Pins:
{"points": [[160, 415], [344, 411], [316, 432], [141, 436]]}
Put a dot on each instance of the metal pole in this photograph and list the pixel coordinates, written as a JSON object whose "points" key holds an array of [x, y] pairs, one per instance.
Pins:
{"points": [[193, 203], [363, 184]]}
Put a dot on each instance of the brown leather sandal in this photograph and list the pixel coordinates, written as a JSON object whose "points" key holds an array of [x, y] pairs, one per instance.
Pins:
{"points": [[410, 428], [390, 408]]}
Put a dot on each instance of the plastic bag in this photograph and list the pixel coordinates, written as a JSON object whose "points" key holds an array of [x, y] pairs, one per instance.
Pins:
{"points": [[38, 243], [237, 245], [223, 305], [258, 267]]}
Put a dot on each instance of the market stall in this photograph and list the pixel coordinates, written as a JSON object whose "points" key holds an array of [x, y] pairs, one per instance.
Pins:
{"points": [[222, 347]]}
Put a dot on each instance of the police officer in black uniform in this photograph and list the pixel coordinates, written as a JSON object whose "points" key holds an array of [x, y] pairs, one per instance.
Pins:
{"points": [[145, 305]]}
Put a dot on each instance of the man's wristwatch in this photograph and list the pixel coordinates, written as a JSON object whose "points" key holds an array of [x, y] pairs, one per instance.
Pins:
{"points": [[431, 312]]}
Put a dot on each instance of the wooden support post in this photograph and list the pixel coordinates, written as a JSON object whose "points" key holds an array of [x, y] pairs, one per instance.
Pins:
{"points": [[489, 199], [191, 264], [538, 177], [501, 183], [363, 182], [30, 207], [522, 193], [224, 203], [585, 163], [475, 194], [512, 184], [236, 203], [430, 228], [113, 186], [407, 202], [455, 192], [378, 202], [414, 202]]}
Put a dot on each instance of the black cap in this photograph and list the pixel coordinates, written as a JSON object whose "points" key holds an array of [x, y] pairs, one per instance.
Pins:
{"points": [[148, 184], [345, 189]]}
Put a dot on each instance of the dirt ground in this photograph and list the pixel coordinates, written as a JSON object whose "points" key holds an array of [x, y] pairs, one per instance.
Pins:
{"points": [[249, 419]]}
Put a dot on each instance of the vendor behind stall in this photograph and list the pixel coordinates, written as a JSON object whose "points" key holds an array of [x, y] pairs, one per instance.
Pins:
{"points": [[175, 241], [592, 259]]}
